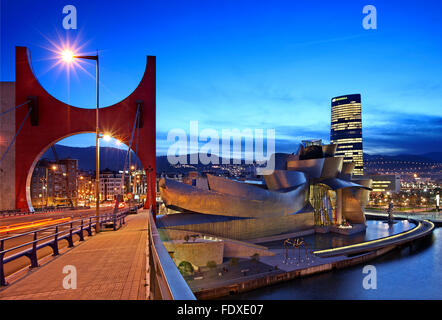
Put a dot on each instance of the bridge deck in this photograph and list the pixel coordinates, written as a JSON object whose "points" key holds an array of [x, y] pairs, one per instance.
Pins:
{"points": [[110, 266]]}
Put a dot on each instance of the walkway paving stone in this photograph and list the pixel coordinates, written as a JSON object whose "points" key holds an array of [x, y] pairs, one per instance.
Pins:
{"points": [[110, 266]]}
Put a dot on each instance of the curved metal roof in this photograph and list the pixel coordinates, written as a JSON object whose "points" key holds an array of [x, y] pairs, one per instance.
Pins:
{"points": [[336, 183]]}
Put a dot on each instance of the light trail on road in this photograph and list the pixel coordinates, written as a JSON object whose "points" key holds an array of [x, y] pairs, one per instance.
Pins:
{"points": [[33, 224]]}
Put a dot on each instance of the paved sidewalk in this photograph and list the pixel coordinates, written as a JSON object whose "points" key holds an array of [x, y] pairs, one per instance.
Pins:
{"points": [[110, 266], [432, 216]]}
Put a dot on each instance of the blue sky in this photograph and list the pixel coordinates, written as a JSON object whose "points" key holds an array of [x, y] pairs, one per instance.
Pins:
{"points": [[248, 64]]}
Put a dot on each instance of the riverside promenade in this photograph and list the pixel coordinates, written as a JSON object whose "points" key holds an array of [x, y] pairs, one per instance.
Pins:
{"points": [[109, 266], [434, 217], [274, 269]]}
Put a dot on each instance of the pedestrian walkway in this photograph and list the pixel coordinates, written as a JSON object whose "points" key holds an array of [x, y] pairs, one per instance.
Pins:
{"points": [[434, 217], [109, 266]]}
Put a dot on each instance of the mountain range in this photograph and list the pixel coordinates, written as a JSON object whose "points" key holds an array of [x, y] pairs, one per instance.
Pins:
{"points": [[114, 158], [426, 157]]}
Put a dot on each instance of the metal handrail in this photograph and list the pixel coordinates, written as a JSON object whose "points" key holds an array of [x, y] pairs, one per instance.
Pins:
{"points": [[39, 230], [55, 226], [66, 234], [170, 281], [49, 227], [17, 212]]}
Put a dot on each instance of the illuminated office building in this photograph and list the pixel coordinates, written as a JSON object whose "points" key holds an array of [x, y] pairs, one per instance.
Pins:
{"points": [[346, 129], [386, 183]]}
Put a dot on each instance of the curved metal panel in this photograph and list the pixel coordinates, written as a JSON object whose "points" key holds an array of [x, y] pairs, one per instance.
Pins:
{"points": [[311, 167], [336, 184], [329, 150], [232, 199], [332, 167], [240, 189], [351, 207], [363, 195], [283, 179], [348, 167]]}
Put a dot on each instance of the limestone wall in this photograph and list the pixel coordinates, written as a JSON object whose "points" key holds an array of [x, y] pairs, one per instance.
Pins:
{"points": [[198, 253], [254, 228], [232, 248]]}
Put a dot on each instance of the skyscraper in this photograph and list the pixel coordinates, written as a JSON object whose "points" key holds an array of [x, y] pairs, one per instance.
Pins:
{"points": [[346, 129]]}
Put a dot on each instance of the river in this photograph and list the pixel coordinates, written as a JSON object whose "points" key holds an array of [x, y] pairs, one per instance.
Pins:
{"points": [[401, 274]]}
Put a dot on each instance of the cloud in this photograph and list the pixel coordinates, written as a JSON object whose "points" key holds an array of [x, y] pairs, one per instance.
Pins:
{"points": [[403, 133]]}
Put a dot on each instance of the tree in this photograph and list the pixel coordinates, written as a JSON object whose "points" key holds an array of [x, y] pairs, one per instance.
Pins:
{"points": [[185, 268]]}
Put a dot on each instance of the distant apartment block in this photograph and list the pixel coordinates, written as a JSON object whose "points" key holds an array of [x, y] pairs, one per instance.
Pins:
{"points": [[54, 183], [111, 184], [386, 183]]}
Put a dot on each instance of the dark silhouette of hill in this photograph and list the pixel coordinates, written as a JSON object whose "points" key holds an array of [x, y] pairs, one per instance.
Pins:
{"points": [[110, 158], [426, 157], [113, 158]]}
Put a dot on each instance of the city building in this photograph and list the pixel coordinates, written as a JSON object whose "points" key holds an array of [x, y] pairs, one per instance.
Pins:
{"points": [[54, 183], [386, 183], [136, 183], [86, 188], [346, 130], [111, 184]]}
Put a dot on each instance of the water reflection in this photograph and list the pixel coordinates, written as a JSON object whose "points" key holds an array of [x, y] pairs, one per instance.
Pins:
{"points": [[401, 274], [375, 230]]}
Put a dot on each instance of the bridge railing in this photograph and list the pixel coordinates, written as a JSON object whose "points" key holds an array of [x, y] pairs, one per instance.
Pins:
{"points": [[166, 282], [61, 231], [17, 212]]}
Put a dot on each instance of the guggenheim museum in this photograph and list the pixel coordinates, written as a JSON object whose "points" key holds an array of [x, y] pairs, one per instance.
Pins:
{"points": [[312, 189]]}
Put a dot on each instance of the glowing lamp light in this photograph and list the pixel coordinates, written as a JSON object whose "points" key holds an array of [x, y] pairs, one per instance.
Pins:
{"points": [[118, 142], [106, 137], [67, 56]]}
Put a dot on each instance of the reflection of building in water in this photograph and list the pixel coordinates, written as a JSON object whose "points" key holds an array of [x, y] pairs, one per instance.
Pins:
{"points": [[310, 188]]}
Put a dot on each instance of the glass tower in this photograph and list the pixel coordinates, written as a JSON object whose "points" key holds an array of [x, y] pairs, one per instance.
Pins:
{"points": [[346, 129]]}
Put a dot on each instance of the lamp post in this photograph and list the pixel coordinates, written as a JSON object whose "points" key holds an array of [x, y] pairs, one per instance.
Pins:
{"points": [[69, 57], [54, 168], [149, 185]]}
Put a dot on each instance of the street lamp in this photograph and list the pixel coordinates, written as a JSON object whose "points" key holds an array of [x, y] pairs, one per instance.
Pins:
{"points": [[149, 185], [69, 57]]}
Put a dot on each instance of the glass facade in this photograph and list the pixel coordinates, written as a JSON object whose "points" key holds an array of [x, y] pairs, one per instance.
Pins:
{"points": [[323, 201], [346, 129]]}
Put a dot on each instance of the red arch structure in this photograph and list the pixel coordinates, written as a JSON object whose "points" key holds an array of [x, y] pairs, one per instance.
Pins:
{"points": [[58, 120]]}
